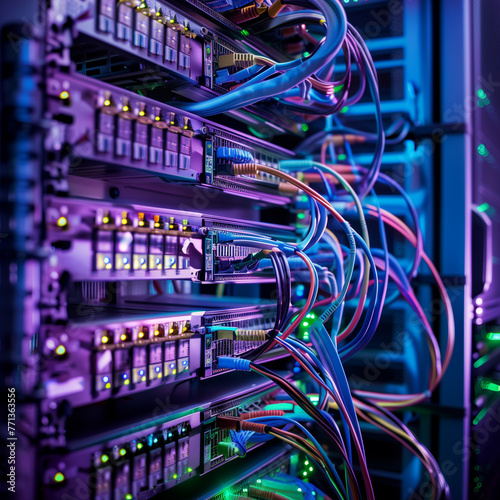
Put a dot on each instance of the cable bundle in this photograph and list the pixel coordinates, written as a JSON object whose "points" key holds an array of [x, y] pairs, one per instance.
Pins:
{"points": [[341, 263]]}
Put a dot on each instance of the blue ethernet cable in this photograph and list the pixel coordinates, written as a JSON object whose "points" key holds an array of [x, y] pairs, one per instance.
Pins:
{"points": [[248, 94], [365, 335]]}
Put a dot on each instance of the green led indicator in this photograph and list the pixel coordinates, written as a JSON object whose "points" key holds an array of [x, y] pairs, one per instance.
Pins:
{"points": [[128, 496], [481, 94], [306, 54], [305, 323], [189, 469], [493, 336], [139, 446], [490, 386], [104, 458], [342, 157], [301, 216], [311, 469], [481, 361], [123, 451], [244, 32], [344, 109], [483, 207], [208, 49], [304, 473], [338, 87], [259, 481], [305, 127], [306, 462], [59, 477], [480, 416], [482, 150]]}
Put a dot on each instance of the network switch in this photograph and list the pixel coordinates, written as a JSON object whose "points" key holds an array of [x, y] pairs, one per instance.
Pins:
{"points": [[130, 242], [147, 44], [152, 456], [94, 124], [90, 361], [197, 303]]}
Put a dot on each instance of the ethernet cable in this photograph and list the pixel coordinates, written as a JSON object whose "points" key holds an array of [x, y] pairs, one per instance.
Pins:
{"points": [[305, 404], [294, 73]]}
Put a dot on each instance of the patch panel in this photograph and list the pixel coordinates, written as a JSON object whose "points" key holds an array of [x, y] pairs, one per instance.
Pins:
{"points": [[147, 458], [114, 358], [94, 124]]}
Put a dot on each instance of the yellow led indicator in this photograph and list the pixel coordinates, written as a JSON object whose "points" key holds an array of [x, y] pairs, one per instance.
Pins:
{"points": [[127, 382], [127, 266], [123, 451], [141, 113], [125, 108], [108, 386], [172, 123], [175, 476], [62, 221], [104, 458], [143, 379], [157, 332], [141, 334], [64, 94], [124, 222], [105, 339], [105, 220], [109, 266], [60, 350], [174, 372], [159, 375], [123, 337], [59, 477], [141, 223], [107, 102], [157, 118]]}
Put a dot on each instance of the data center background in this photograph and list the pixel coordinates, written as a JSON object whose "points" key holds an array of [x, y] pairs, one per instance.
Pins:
{"points": [[121, 286]]}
